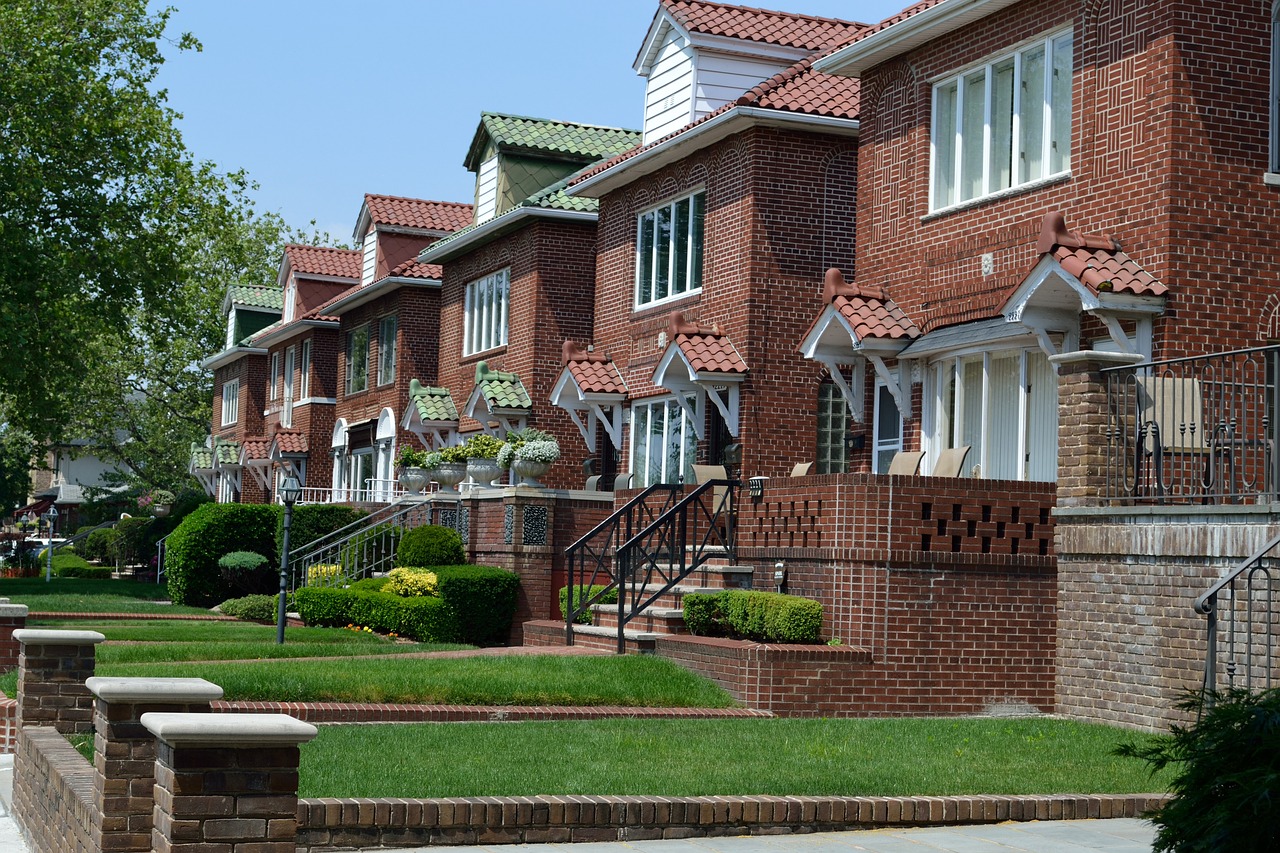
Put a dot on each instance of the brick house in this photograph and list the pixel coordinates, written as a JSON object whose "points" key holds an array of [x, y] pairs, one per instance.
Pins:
{"points": [[713, 237], [517, 282]]}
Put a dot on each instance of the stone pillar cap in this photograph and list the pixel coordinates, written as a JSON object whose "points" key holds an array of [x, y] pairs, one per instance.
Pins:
{"points": [[7, 608], [227, 729], [47, 637], [160, 691]]}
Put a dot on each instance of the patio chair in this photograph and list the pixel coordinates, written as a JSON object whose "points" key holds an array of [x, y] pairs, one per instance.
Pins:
{"points": [[801, 469], [951, 462], [905, 463]]}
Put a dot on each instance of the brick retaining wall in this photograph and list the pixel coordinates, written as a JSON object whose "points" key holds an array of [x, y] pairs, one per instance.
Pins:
{"points": [[53, 796]]}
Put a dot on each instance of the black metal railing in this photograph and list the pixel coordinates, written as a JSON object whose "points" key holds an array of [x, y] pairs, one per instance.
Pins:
{"points": [[1194, 430], [677, 544], [1241, 622], [590, 561], [359, 549]]}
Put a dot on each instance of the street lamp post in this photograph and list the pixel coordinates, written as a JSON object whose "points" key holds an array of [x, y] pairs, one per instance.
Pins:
{"points": [[51, 516], [290, 491]]}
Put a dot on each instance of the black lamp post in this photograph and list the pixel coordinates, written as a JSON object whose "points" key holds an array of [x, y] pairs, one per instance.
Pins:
{"points": [[290, 491], [51, 517]]}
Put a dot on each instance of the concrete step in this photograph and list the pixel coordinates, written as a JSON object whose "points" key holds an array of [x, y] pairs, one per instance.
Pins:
{"points": [[655, 620], [595, 637]]}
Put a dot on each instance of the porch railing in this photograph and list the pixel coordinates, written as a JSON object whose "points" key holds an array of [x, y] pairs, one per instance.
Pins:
{"points": [[358, 550], [1194, 430], [375, 492], [591, 559], [1241, 615]]}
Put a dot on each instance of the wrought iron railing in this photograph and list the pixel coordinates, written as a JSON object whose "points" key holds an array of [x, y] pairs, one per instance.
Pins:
{"points": [[359, 549], [1194, 430], [1241, 620], [591, 560], [678, 543], [373, 492]]}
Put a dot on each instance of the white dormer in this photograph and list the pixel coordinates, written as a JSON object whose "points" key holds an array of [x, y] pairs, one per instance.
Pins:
{"points": [[369, 261], [487, 190], [690, 75], [290, 300]]}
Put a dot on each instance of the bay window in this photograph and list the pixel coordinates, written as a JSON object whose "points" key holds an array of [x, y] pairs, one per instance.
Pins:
{"points": [[669, 250], [485, 313], [1004, 124], [664, 445]]}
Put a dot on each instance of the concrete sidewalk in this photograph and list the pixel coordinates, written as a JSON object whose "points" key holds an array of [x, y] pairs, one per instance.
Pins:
{"points": [[10, 839]]}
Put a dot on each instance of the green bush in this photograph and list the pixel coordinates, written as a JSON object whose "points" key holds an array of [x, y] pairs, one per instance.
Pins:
{"points": [[429, 546], [247, 572], [309, 522], [584, 618], [408, 582], [253, 608], [484, 599], [74, 566], [426, 619], [369, 584], [768, 617], [191, 562], [134, 541], [99, 545], [1227, 764]]}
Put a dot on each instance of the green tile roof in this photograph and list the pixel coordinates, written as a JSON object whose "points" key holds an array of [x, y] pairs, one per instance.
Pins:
{"points": [[434, 405], [256, 296], [565, 138], [201, 457], [501, 390], [228, 452]]}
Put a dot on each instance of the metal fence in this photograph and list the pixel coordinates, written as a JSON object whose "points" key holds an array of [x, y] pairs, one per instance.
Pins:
{"points": [[1194, 430], [1241, 623]]}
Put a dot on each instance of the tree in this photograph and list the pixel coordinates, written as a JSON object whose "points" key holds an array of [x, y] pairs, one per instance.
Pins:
{"points": [[16, 453]]}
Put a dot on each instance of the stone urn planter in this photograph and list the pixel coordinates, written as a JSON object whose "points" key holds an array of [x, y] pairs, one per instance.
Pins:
{"points": [[530, 471], [449, 475], [483, 471], [161, 510], [414, 480]]}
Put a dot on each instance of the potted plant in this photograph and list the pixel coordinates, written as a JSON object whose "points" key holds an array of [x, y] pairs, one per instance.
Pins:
{"points": [[413, 475], [448, 467], [157, 501], [529, 453], [482, 454]]}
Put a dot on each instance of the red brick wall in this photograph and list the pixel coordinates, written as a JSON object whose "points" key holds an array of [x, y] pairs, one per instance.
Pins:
{"points": [[779, 212]]}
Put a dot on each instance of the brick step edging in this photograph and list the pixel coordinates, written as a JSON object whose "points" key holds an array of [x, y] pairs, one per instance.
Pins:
{"points": [[167, 617], [327, 822], [357, 712]]}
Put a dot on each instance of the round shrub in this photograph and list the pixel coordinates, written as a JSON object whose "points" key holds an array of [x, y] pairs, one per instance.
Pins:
{"points": [[99, 544], [247, 571], [430, 545], [409, 582], [211, 530], [252, 608]]}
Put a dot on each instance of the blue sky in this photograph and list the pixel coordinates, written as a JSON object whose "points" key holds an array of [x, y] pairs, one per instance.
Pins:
{"points": [[322, 101]]}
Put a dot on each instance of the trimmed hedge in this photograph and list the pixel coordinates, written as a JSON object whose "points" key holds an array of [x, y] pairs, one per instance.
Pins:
{"points": [[212, 530], [74, 566], [252, 608], [584, 618], [484, 599], [311, 521], [99, 544], [429, 546], [426, 619], [768, 617]]}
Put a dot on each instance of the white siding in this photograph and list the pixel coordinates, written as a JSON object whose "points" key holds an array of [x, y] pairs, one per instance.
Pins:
{"points": [[722, 79], [487, 190], [669, 90], [370, 259]]}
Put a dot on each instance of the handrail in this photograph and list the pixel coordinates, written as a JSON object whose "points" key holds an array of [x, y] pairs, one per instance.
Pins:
{"points": [[1249, 627], [671, 534], [600, 554]]}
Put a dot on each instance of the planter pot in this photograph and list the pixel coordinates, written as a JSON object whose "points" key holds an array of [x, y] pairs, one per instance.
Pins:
{"points": [[414, 480], [449, 475], [160, 510], [483, 471], [530, 471]]}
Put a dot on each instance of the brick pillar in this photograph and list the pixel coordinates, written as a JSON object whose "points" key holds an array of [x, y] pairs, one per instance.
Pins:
{"points": [[1082, 425], [52, 669], [226, 781], [124, 751], [13, 617]]}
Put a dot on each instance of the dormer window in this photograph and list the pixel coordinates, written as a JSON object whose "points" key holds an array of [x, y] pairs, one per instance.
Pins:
{"points": [[487, 190], [369, 262]]}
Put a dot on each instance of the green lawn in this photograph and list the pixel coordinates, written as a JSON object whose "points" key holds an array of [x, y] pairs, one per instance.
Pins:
{"points": [[81, 595], [797, 757]]}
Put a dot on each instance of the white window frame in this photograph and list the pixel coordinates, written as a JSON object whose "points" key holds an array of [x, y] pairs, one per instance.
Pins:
{"points": [[640, 455], [649, 261], [832, 455], [882, 444], [1273, 159], [350, 362], [485, 309], [275, 376], [286, 412], [387, 329], [230, 402], [369, 257], [290, 300], [304, 371], [956, 146], [487, 190]]}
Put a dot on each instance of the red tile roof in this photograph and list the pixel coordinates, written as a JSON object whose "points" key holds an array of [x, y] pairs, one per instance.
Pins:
{"points": [[322, 260], [909, 12], [416, 213], [706, 347], [592, 372], [289, 441], [869, 310], [412, 268], [762, 25], [1097, 262], [254, 449]]}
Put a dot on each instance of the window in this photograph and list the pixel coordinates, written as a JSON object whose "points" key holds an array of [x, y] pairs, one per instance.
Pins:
{"points": [[386, 350], [1003, 125], [487, 190], [369, 261], [304, 371], [275, 376], [290, 300], [286, 413], [1003, 405], [663, 443], [357, 362], [833, 424], [485, 309], [888, 429], [669, 250], [230, 402], [1274, 164]]}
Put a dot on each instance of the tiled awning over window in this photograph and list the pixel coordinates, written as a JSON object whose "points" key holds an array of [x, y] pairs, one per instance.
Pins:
{"points": [[592, 391], [856, 325], [431, 410], [200, 466], [255, 454], [288, 448], [226, 461], [702, 361], [501, 397]]}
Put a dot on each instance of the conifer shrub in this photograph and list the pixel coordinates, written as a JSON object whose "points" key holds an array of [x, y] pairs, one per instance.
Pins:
{"points": [[430, 545]]}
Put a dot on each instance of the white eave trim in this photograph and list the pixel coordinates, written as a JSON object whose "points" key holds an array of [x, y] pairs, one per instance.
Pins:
{"points": [[906, 35], [227, 356], [382, 287], [492, 229], [294, 328], [699, 136]]}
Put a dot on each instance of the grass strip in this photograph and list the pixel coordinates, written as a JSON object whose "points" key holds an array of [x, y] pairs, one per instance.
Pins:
{"points": [[798, 757], [161, 632], [250, 651], [631, 681], [85, 595]]}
